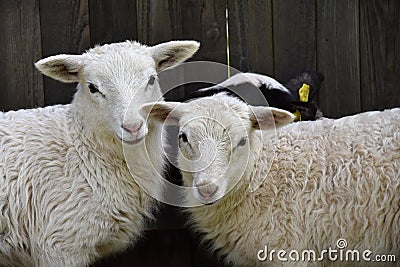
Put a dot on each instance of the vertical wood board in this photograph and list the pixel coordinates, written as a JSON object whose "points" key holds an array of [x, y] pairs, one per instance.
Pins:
{"points": [[251, 36], [65, 30], [21, 85], [380, 54], [338, 57], [294, 27], [112, 21]]}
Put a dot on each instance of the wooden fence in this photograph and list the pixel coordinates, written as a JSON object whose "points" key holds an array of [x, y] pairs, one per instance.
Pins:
{"points": [[355, 43]]}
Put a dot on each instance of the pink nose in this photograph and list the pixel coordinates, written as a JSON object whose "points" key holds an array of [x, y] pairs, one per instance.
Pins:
{"points": [[207, 190], [132, 128]]}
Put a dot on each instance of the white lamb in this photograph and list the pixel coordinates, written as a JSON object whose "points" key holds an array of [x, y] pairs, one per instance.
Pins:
{"points": [[318, 181], [67, 196]]}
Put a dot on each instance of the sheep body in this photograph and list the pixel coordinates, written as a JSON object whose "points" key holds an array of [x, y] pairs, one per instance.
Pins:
{"points": [[73, 187], [62, 195], [329, 179], [319, 181]]}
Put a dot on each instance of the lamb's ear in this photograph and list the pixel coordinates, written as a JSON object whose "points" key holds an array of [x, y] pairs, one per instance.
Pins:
{"points": [[168, 112], [267, 118], [64, 68], [172, 53]]}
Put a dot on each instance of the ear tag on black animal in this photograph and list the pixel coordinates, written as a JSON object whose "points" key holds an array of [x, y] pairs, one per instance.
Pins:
{"points": [[304, 92], [298, 115]]}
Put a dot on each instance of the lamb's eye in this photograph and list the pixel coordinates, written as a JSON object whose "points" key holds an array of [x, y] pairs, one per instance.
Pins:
{"points": [[93, 88], [242, 141], [152, 80], [183, 137]]}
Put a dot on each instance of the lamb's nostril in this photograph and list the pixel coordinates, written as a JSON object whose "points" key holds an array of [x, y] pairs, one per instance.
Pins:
{"points": [[207, 190], [132, 128]]}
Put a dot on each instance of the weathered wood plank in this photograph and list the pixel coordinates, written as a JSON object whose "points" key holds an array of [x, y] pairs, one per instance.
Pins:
{"points": [[251, 36], [159, 21], [380, 54], [294, 37], [21, 86], [112, 21], [204, 20], [338, 57], [65, 29]]}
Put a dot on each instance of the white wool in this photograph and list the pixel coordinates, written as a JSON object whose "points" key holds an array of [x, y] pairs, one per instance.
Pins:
{"points": [[68, 195]]}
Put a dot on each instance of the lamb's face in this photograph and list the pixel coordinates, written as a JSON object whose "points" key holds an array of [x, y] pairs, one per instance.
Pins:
{"points": [[115, 80], [216, 139], [214, 149], [115, 86]]}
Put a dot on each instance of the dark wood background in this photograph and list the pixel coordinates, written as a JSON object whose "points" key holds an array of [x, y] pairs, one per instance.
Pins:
{"points": [[355, 43]]}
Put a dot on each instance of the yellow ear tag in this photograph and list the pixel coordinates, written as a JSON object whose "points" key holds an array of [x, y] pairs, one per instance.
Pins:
{"points": [[298, 115], [304, 91]]}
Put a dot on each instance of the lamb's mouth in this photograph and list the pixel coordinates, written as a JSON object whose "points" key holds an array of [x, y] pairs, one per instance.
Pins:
{"points": [[132, 142]]}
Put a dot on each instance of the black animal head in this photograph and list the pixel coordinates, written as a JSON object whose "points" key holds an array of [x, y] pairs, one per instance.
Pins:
{"points": [[309, 109]]}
